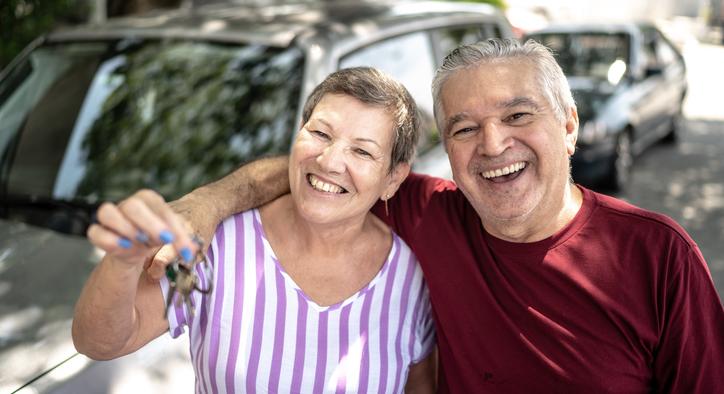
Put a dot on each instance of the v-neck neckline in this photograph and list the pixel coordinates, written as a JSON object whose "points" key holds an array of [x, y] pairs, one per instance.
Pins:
{"points": [[313, 304]]}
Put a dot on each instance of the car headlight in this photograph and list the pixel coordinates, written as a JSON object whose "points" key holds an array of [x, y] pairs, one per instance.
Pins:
{"points": [[592, 131]]}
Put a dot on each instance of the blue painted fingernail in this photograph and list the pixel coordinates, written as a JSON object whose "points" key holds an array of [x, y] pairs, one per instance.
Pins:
{"points": [[124, 243], [186, 254], [141, 237], [166, 237]]}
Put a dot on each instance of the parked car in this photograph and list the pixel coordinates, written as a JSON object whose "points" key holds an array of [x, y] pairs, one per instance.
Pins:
{"points": [[169, 101], [629, 83]]}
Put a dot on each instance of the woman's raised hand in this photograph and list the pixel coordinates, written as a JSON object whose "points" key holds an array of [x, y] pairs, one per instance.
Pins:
{"points": [[134, 229]]}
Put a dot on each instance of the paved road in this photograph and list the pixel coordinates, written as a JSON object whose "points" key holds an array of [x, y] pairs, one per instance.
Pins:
{"points": [[686, 180]]}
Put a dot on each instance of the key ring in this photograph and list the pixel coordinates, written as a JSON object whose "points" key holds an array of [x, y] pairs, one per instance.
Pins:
{"points": [[183, 279]]}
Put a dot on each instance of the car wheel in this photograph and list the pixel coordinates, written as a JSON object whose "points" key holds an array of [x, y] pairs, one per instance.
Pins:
{"points": [[676, 121], [620, 172]]}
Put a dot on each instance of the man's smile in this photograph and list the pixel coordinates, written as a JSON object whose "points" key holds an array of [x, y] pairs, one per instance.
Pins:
{"points": [[503, 174]]}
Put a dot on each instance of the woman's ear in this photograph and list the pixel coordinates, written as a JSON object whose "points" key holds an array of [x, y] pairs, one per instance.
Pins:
{"points": [[395, 179]]}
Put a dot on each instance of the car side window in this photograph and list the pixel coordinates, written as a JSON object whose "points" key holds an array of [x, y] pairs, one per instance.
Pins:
{"points": [[650, 59], [449, 38], [666, 54], [409, 59]]}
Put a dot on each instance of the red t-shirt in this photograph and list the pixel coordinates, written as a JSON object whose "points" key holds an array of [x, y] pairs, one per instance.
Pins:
{"points": [[620, 300]]}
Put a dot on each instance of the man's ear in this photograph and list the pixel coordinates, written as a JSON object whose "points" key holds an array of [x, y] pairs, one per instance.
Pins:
{"points": [[571, 130], [396, 177]]}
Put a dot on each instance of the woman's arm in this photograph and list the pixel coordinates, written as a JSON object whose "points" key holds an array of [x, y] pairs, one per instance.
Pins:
{"points": [[119, 309], [422, 378]]}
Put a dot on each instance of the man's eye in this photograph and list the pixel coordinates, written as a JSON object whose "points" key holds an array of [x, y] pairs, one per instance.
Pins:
{"points": [[463, 131], [518, 116]]}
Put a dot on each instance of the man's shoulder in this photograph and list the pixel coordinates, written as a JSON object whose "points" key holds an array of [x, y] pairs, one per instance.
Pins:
{"points": [[628, 218], [439, 191]]}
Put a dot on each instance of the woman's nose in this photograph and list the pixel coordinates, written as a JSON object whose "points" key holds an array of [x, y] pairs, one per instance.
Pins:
{"points": [[331, 159]]}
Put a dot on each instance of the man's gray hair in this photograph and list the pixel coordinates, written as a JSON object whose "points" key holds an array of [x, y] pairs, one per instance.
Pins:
{"points": [[551, 80], [376, 88]]}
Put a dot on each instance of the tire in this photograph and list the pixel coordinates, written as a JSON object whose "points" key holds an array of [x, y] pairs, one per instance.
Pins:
{"points": [[620, 172], [673, 135]]}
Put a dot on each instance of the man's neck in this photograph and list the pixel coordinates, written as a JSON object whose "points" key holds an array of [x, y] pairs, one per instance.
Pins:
{"points": [[547, 223]]}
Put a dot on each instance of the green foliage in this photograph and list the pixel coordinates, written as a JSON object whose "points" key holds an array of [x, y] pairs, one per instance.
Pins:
{"points": [[21, 21], [184, 114], [497, 3]]}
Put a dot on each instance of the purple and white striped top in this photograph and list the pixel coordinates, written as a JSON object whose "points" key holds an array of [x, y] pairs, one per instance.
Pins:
{"points": [[258, 332]]}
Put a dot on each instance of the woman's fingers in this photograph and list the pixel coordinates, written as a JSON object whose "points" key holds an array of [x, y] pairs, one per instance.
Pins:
{"points": [[110, 217], [139, 223], [174, 226], [108, 240]]}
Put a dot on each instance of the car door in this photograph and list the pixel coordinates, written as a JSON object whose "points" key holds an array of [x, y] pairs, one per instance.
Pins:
{"points": [[655, 94], [410, 59], [674, 87]]}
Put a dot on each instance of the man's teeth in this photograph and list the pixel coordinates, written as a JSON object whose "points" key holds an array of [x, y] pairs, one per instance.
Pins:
{"points": [[318, 184], [504, 171]]}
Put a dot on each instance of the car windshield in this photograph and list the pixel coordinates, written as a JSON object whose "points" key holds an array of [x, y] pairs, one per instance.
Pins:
{"points": [[601, 56], [85, 122]]}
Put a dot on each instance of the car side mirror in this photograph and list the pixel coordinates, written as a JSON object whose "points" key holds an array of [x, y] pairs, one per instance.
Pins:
{"points": [[653, 70]]}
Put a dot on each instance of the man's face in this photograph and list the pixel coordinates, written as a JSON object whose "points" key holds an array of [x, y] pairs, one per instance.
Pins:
{"points": [[508, 151]]}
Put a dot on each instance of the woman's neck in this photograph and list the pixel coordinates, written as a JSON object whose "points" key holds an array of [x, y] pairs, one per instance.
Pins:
{"points": [[282, 219]]}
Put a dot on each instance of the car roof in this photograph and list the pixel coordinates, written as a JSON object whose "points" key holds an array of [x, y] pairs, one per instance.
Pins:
{"points": [[279, 25], [574, 28]]}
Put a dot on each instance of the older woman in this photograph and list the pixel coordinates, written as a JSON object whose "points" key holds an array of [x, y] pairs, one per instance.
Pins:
{"points": [[311, 292]]}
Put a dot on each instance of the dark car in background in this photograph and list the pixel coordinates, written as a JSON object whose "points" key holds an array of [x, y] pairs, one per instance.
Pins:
{"points": [[629, 83], [169, 101]]}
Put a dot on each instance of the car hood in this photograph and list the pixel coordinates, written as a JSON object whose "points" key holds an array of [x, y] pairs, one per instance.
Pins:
{"points": [[41, 275], [590, 96]]}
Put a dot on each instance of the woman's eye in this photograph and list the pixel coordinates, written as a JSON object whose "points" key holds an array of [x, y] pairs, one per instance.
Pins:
{"points": [[319, 134], [362, 152]]}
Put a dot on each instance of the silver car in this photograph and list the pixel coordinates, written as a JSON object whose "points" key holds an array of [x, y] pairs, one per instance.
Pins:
{"points": [[169, 101]]}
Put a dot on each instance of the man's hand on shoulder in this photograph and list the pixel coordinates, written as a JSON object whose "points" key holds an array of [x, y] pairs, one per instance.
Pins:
{"points": [[250, 186]]}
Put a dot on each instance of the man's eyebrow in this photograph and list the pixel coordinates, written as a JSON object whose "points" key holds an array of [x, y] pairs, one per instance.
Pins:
{"points": [[454, 119], [519, 101]]}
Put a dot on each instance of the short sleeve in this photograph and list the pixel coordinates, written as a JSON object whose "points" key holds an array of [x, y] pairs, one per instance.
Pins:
{"points": [[424, 341], [690, 352]]}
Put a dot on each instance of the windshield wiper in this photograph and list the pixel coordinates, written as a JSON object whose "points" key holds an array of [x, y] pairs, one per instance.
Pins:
{"points": [[65, 216]]}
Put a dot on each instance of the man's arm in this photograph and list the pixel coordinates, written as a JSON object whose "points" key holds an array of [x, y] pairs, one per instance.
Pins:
{"points": [[422, 378], [250, 186], [689, 357]]}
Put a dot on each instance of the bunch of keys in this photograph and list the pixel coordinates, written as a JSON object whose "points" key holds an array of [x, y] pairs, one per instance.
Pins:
{"points": [[182, 279]]}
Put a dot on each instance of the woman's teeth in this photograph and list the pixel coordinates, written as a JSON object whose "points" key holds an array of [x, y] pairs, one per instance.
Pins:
{"points": [[320, 185]]}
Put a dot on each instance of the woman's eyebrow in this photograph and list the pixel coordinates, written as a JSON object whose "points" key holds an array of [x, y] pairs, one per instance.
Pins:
{"points": [[368, 140]]}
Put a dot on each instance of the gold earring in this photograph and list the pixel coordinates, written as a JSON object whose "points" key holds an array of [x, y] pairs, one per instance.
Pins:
{"points": [[387, 211]]}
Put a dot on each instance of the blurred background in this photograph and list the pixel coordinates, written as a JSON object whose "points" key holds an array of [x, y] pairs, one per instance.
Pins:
{"points": [[101, 97]]}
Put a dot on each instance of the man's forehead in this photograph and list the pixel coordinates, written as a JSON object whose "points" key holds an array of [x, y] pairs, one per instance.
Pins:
{"points": [[505, 102]]}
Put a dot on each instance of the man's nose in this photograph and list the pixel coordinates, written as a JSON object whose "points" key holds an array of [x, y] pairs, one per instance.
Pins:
{"points": [[331, 159], [493, 139]]}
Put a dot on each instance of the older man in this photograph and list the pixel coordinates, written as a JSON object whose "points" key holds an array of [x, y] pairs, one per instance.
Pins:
{"points": [[538, 284]]}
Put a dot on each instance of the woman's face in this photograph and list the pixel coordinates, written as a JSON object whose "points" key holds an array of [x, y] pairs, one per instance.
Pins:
{"points": [[339, 165]]}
